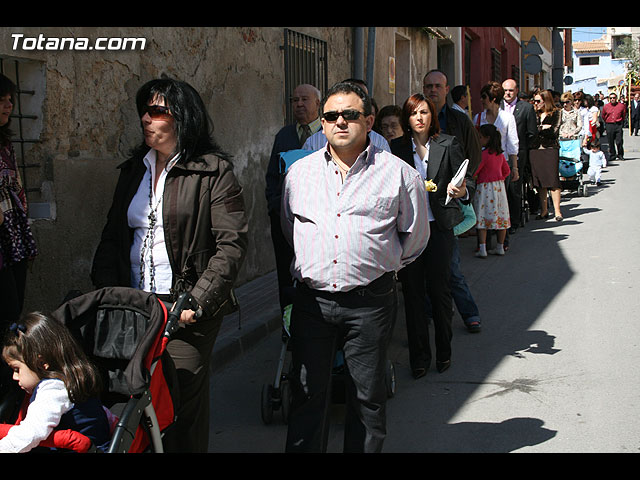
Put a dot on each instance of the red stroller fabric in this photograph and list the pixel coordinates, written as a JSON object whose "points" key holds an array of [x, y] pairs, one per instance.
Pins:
{"points": [[122, 331], [65, 439]]}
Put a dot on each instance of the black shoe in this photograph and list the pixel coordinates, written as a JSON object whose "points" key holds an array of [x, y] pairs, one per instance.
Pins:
{"points": [[442, 366], [418, 372], [473, 327]]}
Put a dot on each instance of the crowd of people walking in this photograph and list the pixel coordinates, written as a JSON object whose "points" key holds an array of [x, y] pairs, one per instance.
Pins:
{"points": [[334, 193], [372, 209]]}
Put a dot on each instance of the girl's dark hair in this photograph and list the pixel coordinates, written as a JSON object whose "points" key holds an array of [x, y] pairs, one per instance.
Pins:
{"points": [[194, 127], [7, 87], [40, 340], [410, 105], [495, 139]]}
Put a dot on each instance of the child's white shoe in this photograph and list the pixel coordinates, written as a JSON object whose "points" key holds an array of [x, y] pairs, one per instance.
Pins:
{"points": [[499, 250]]}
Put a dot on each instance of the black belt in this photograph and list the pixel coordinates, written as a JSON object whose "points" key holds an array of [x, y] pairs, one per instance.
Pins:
{"points": [[384, 278]]}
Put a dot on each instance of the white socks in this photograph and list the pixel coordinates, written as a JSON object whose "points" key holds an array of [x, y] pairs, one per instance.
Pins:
{"points": [[482, 250]]}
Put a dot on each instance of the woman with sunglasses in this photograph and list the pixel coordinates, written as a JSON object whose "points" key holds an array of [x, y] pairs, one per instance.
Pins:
{"points": [[544, 155], [178, 224], [437, 157], [570, 119]]}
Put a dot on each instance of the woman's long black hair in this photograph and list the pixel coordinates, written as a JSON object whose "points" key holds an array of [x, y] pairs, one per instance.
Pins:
{"points": [[194, 127]]}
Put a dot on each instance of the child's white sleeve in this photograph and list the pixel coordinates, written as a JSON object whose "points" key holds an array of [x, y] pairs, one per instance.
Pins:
{"points": [[50, 402]]}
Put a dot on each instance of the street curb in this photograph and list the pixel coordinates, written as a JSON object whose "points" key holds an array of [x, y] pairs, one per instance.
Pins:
{"points": [[258, 317]]}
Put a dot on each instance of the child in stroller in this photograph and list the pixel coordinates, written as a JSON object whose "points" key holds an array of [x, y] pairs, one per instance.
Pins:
{"points": [[124, 333], [63, 385]]}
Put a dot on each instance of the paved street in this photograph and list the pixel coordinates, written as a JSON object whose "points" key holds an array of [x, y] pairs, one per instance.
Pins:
{"points": [[553, 370]]}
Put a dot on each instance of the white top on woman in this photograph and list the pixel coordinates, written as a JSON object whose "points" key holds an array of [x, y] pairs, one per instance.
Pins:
{"points": [[506, 125]]}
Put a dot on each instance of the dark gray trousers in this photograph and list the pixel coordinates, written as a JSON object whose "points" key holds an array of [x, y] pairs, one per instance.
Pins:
{"points": [[190, 349], [360, 323]]}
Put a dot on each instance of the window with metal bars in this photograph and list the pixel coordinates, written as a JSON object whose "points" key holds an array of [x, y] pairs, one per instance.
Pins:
{"points": [[496, 58], [25, 125], [305, 61]]}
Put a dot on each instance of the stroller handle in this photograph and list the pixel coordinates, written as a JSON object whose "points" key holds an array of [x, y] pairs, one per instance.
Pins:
{"points": [[185, 301]]}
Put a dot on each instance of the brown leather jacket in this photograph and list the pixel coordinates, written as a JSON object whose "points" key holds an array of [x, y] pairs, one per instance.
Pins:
{"points": [[205, 228]]}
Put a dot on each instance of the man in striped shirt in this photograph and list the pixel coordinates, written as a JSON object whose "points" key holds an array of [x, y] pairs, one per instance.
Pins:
{"points": [[354, 215]]}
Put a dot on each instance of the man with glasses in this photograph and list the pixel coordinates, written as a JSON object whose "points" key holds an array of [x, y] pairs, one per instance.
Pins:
{"points": [[613, 114], [355, 215], [318, 139]]}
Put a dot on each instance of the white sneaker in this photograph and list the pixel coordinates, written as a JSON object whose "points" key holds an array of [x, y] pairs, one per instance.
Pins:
{"points": [[481, 254], [497, 251]]}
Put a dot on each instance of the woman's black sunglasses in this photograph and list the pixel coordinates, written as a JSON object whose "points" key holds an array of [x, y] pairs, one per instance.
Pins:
{"points": [[156, 112]]}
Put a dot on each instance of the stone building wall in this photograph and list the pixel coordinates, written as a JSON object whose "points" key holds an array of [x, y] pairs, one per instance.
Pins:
{"points": [[87, 123]]}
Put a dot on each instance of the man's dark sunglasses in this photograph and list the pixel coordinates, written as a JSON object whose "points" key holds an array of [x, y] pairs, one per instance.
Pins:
{"points": [[348, 115], [156, 112]]}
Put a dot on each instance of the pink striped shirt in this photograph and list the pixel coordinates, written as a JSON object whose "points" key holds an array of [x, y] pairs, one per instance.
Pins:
{"points": [[348, 234]]}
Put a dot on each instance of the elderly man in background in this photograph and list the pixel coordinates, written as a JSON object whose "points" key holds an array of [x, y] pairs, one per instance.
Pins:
{"points": [[306, 103]]}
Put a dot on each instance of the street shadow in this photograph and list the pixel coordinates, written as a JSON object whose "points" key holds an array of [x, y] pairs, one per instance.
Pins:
{"points": [[511, 292], [486, 437]]}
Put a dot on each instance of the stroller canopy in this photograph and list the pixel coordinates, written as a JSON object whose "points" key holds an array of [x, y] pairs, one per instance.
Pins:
{"points": [[120, 327]]}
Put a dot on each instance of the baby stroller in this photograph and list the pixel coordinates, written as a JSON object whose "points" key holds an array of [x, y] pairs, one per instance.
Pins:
{"points": [[571, 167], [125, 332]]}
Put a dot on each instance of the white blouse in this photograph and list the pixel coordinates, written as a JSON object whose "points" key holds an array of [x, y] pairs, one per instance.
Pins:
{"points": [[421, 165], [138, 219], [506, 125]]}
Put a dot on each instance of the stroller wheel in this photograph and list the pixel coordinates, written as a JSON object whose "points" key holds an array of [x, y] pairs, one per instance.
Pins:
{"points": [[266, 405]]}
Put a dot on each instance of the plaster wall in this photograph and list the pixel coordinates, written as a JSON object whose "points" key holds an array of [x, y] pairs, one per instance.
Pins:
{"points": [[88, 124]]}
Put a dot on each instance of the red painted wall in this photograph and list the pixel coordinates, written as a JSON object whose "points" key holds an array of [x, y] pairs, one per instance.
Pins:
{"points": [[483, 39]]}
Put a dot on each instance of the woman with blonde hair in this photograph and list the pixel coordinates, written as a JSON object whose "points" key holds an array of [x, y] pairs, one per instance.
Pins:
{"points": [[570, 118]]}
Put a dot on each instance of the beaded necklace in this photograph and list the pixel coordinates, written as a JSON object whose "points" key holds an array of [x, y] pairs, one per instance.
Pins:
{"points": [[149, 238]]}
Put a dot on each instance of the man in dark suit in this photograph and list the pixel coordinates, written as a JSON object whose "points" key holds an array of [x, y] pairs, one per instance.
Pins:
{"points": [[526, 124], [306, 104], [634, 105]]}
